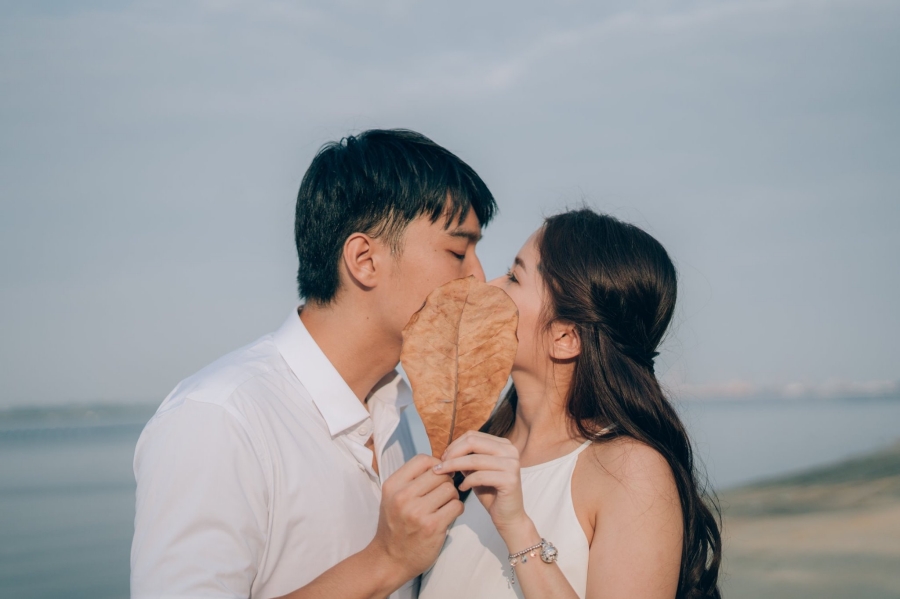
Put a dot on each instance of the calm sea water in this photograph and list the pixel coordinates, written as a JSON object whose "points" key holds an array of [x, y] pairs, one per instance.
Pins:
{"points": [[67, 488]]}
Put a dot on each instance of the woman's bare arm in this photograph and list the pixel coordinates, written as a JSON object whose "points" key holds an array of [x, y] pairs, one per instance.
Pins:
{"points": [[627, 491]]}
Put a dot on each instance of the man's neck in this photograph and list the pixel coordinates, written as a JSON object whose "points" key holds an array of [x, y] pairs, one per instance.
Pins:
{"points": [[357, 347]]}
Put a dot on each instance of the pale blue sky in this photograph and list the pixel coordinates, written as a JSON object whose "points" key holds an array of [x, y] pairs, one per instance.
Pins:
{"points": [[151, 153]]}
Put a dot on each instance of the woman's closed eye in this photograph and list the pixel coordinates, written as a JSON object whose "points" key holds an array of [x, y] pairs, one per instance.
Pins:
{"points": [[511, 276]]}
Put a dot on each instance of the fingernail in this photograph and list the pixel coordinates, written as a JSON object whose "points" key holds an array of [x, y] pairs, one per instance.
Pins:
{"points": [[437, 467]]}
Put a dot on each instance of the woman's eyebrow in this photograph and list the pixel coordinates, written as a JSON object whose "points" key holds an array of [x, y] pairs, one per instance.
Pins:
{"points": [[518, 261]]}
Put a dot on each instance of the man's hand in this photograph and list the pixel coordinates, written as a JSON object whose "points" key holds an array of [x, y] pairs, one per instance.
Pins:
{"points": [[417, 508]]}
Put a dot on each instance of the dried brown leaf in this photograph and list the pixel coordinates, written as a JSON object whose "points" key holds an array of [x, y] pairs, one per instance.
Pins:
{"points": [[458, 351]]}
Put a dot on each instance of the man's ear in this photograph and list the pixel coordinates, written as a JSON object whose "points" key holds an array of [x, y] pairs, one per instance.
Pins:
{"points": [[362, 260], [565, 343]]}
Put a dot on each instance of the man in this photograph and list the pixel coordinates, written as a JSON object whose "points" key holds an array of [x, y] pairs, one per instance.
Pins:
{"points": [[279, 469]]}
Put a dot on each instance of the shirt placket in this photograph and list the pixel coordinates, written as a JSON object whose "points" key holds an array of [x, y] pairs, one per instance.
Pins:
{"points": [[385, 418], [355, 441]]}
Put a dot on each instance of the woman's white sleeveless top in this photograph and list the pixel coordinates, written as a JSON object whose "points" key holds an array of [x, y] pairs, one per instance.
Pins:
{"points": [[473, 563]]}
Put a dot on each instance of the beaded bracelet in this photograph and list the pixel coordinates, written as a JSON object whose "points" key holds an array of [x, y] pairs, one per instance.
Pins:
{"points": [[548, 555]]}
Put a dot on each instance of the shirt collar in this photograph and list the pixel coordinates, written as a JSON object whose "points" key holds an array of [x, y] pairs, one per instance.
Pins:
{"points": [[394, 391], [331, 395]]}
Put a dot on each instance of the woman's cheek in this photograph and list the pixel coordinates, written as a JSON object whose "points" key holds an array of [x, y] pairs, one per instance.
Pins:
{"points": [[525, 351], [519, 362]]}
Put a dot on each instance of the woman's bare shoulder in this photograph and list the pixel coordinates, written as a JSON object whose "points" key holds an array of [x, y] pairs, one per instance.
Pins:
{"points": [[622, 475], [626, 461]]}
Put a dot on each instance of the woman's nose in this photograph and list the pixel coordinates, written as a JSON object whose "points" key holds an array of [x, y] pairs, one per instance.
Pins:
{"points": [[498, 282], [477, 270]]}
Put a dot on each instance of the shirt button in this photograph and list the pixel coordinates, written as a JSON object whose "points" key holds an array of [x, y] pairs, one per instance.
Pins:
{"points": [[363, 431]]}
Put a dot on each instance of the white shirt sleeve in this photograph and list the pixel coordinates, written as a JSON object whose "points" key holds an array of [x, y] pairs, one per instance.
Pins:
{"points": [[201, 509]]}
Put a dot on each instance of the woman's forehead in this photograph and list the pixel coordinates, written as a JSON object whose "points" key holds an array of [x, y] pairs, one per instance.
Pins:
{"points": [[529, 252]]}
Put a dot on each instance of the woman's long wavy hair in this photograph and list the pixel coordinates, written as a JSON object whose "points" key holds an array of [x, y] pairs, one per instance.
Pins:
{"points": [[617, 285]]}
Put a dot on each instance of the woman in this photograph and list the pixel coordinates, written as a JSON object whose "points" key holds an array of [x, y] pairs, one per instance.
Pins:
{"points": [[584, 460]]}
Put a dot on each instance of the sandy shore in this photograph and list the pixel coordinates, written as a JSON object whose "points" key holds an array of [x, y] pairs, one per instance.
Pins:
{"points": [[829, 533]]}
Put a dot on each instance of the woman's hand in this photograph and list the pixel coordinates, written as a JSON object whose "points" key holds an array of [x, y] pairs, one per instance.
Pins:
{"points": [[491, 467]]}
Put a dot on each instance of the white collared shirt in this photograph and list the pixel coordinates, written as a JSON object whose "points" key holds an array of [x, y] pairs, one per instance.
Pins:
{"points": [[253, 477]]}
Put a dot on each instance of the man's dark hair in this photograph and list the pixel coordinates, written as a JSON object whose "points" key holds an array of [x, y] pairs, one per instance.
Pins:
{"points": [[376, 183]]}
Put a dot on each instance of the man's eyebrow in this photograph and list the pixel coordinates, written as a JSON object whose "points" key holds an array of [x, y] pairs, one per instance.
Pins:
{"points": [[470, 235]]}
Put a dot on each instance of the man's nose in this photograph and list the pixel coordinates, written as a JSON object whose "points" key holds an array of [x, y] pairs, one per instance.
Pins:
{"points": [[476, 269]]}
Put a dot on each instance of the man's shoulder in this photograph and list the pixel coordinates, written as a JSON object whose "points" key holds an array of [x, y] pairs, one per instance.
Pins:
{"points": [[225, 400], [218, 382]]}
